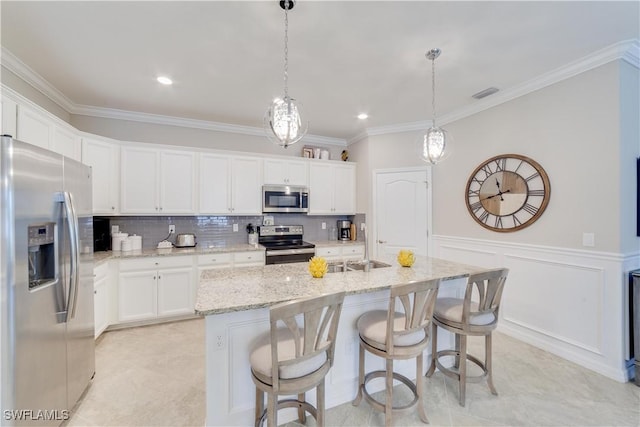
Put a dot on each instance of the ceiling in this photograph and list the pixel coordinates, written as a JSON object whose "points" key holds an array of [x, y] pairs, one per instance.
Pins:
{"points": [[345, 57]]}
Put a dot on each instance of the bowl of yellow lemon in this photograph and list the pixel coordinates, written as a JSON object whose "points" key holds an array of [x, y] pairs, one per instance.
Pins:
{"points": [[406, 258], [317, 266]]}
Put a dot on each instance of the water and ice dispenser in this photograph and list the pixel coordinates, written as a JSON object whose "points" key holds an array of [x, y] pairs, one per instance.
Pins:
{"points": [[42, 256]]}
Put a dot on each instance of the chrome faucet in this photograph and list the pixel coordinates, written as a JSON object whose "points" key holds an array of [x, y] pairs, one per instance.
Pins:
{"points": [[366, 248]]}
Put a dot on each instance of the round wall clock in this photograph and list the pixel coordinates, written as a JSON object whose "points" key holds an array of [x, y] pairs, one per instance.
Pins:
{"points": [[507, 192]]}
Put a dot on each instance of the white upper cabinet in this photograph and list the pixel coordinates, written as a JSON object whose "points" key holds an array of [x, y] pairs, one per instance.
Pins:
{"points": [[104, 159], [66, 142], [246, 184], [215, 184], [160, 182], [286, 172], [230, 185], [34, 127], [178, 182], [9, 117], [40, 128], [332, 188]]}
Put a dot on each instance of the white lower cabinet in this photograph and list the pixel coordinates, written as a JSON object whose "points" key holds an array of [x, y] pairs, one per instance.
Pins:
{"points": [[248, 259], [101, 298], [211, 261], [341, 253], [230, 259], [154, 287]]}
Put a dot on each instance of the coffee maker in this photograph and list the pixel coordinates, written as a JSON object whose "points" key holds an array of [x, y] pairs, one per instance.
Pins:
{"points": [[344, 230]]}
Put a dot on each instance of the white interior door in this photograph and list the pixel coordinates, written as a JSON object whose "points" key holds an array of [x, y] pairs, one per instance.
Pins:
{"points": [[402, 211]]}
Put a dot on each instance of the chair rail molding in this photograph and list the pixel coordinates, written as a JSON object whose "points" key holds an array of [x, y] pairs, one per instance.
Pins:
{"points": [[570, 302]]}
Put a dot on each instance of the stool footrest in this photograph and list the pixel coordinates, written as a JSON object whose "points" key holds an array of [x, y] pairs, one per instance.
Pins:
{"points": [[380, 406], [290, 403], [453, 372]]}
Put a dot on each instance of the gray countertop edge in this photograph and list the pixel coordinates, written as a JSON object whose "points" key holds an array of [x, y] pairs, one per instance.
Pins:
{"points": [[328, 243], [100, 257]]}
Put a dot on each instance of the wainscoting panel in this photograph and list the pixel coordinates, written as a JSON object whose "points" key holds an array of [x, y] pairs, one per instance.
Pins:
{"points": [[570, 302], [562, 301]]}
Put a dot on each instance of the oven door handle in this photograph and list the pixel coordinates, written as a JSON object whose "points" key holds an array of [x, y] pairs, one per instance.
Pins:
{"points": [[290, 251]]}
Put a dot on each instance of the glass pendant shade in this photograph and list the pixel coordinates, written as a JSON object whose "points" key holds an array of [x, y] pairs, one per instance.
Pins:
{"points": [[283, 122], [433, 142], [433, 145]]}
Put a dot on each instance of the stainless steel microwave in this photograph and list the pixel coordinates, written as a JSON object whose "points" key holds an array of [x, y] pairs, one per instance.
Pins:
{"points": [[285, 199]]}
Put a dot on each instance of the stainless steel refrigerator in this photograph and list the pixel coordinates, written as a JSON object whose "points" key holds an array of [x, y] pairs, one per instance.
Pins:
{"points": [[46, 269]]}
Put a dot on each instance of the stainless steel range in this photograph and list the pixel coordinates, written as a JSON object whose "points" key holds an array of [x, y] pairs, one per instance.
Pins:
{"points": [[284, 244]]}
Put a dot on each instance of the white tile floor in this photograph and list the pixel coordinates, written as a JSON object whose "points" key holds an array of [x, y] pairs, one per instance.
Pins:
{"points": [[154, 376]]}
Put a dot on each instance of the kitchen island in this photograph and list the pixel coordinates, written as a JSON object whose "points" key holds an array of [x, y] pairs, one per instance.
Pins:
{"points": [[236, 305]]}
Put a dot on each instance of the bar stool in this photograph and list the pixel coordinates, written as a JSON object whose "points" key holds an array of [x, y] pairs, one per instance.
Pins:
{"points": [[398, 335], [293, 358], [465, 317]]}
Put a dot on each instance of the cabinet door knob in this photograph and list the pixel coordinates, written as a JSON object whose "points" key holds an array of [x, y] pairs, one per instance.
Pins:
{"points": [[113, 208], [382, 241]]}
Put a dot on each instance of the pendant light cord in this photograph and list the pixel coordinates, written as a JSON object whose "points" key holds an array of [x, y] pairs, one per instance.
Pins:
{"points": [[433, 91], [286, 48]]}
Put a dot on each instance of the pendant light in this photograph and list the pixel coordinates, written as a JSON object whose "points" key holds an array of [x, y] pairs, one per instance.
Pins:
{"points": [[283, 120], [433, 142]]}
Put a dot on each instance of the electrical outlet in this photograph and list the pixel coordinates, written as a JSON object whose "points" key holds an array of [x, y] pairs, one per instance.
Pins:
{"points": [[362, 226], [115, 229], [235, 227], [324, 225], [588, 239], [172, 229], [219, 341]]}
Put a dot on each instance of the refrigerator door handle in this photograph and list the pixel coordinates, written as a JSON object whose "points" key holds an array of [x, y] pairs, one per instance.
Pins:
{"points": [[72, 224]]}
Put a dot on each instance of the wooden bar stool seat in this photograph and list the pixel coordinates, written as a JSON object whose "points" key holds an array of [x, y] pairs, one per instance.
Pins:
{"points": [[295, 356], [395, 335], [465, 317]]}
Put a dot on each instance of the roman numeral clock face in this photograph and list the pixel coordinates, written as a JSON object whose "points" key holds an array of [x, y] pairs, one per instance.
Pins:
{"points": [[507, 192]]}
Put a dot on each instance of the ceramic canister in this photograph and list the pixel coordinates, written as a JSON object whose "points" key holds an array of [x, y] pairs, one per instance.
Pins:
{"points": [[136, 242], [116, 241]]}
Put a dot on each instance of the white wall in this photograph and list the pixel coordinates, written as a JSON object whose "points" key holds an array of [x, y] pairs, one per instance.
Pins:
{"points": [[561, 296], [630, 150], [574, 129]]}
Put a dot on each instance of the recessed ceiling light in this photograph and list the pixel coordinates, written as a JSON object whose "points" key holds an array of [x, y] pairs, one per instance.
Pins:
{"points": [[363, 116], [164, 80]]}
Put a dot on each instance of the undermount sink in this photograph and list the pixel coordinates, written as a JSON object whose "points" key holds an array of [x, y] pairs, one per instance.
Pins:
{"points": [[340, 267]]}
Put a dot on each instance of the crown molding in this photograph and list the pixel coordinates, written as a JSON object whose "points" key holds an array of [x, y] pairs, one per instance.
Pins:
{"points": [[628, 51], [632, 55], [112, 113], [26, 73]]}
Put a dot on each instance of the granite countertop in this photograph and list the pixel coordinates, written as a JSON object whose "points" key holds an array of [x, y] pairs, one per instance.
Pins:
{"points": [[237, 289], [99, 257]]}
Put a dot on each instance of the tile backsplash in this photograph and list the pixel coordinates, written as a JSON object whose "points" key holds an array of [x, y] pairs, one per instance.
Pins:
{"points": [[218, 230]]}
